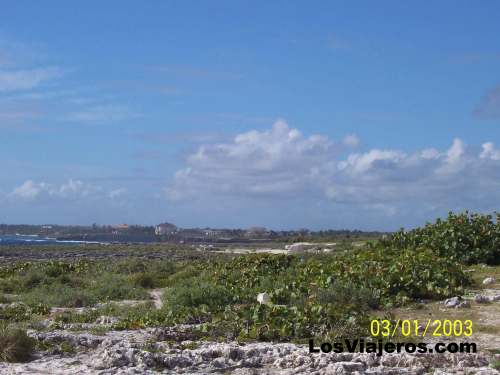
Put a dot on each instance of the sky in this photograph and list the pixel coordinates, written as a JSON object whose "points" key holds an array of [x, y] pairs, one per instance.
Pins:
{"points": [[284, 114]]}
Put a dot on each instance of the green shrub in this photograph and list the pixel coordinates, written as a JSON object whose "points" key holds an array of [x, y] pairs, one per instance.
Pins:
{"points": [[311, 296], [144, 280], [349, 294], [130, 266], [15, 345], [67, 348], [19, 312], [194, 293], [113, 287], [32, 279], [9, 285], [402, 275], [16, 312], [59, 295], [322, 295], [55, 270], [71, 280], [467, 237], [186, 271]]}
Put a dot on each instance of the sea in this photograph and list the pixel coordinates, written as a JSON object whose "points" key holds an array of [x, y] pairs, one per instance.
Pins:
{"points": [[13, 239]]}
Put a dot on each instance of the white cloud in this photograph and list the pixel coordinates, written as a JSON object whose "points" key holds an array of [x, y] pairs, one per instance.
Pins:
{"points": [[27, 190], [454, 159], [17, 80], [429, 153], [489, 152], [361, 163], [351, 140], [72, 188], [285, 164], [275, 161]]}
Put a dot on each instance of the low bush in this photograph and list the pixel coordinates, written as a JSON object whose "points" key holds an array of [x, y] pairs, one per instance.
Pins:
{"points": [[59, 295], [311, 295], [114, 287], [145, 280], [32, 279], [349, 294], [467, 237], [15, 345], [195, 293]]}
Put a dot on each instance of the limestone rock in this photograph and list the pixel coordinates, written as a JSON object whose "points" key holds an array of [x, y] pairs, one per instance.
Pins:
{"points": [[452, 302], [488, 281], [263, 298]]}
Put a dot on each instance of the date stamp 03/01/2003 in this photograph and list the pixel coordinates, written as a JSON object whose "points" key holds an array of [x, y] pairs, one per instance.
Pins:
{"points": [[419, 328]]}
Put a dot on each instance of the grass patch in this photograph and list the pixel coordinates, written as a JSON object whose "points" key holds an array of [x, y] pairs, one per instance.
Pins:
{"points": [[195, 293], [67, 348], [483, 271], [495, 364]]}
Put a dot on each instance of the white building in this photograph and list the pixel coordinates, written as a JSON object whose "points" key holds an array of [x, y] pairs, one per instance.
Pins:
{"points": [[165, 229]]}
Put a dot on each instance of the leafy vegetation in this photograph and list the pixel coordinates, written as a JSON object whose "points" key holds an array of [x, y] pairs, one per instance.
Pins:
{"points": [[467, 237], [495, 364], [312, 295]]}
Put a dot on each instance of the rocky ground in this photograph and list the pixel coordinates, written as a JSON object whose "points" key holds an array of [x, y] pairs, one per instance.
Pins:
{"points": [[152, 352], [114, 252]]}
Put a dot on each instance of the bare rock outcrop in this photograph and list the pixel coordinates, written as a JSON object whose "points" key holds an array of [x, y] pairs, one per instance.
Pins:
{"points": [[141, 352]]}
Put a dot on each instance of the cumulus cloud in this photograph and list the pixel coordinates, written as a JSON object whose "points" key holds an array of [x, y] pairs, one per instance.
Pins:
{"points": [[27, 190], [17, 80], [283, 163], [72, 188], [274, 161], [489, 105], [490, 152]]}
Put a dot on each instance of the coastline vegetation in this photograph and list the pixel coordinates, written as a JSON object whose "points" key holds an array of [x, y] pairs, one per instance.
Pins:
{"points": [[312, 294]]}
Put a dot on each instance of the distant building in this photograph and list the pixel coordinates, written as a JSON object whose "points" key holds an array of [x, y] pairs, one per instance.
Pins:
{"points": [[192, 233], [120, 226], [46, 229], [165, 229], [217, 233]]}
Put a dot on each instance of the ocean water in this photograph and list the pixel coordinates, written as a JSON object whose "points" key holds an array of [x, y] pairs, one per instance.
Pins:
{"points": [[33, 240]]}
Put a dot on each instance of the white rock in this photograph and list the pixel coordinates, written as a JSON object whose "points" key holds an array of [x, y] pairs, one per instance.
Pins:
{"points": [[488, 281], [299, 247], [108, 320], [452, 302], [263, 298], [479, 298]]}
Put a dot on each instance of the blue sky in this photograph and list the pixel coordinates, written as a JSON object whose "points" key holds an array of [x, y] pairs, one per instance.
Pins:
{"points": [[371, 115]]}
